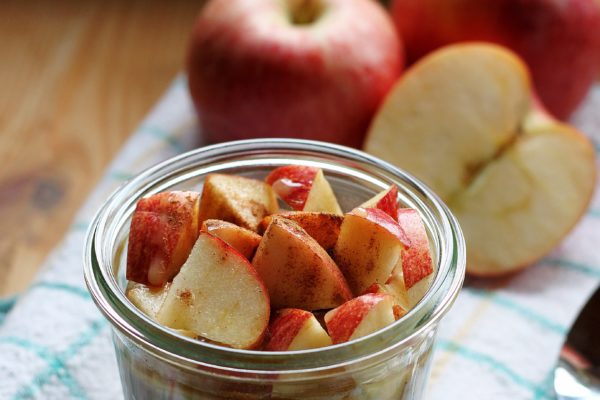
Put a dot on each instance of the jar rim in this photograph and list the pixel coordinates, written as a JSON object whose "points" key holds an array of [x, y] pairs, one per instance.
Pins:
{"points": [[161, 341]]}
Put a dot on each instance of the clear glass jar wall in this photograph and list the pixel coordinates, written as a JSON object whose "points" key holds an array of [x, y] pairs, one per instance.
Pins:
{"points": [[157, 363]]}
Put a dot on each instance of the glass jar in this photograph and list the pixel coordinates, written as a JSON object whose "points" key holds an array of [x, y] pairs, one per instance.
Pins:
{"points": [[158, 363]]}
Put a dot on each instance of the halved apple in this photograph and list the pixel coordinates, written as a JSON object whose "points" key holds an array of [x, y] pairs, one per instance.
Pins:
{"points": [[242, 201], [297, 271], [361, 316], [295, 329], [201, 299], [369, 247], [463, 120], [304, 188], [243, 240], [163, 230], [386, 200], [323, 227]]}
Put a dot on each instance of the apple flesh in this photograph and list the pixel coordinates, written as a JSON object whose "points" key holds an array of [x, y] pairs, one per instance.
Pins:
{"points": [[516, 179], [242, 201], [243, 240], [386, 200], [369, 246], [297, 271], [147, 299], [295, 329], [323, 227], [304, 189], [201, 299], [361, 316], [163, 229], [315, 69], [562, 76]]}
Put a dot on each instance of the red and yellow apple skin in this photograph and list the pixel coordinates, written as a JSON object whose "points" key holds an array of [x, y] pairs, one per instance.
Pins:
{"points": [[386, 200], [295, 329], [292, 183], [309, 69], [559, 40], [163, 230], [361, 316], [416, 259]]}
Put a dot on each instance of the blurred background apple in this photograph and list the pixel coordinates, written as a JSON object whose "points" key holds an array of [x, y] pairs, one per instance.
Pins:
{"points": [[313, 69], [559, 40]]}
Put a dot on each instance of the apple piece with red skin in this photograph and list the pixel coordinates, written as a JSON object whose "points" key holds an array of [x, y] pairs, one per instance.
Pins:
{"points": [[304, 188], [236, 199], [362, 316], [323, 227], [562, 77], [200, 299], [315, 69], [297, 271], [369, 247], [295, 329], [163, 229], [416, 259], [504, 167], [386, 200], [243, 240]]}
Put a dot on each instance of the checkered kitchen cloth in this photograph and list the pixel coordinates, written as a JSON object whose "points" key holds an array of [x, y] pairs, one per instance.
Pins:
{"points": [[497, 342]]}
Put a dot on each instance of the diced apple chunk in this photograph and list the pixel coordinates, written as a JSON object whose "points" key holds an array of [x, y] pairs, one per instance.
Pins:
{"points": [[297, 271], [361, 316], [369, 247], [243, 240], [242, 201], [386, 200], [295, 329], [147, 299], [218, 295], [321, 226], [304, 188], [163, 230]]}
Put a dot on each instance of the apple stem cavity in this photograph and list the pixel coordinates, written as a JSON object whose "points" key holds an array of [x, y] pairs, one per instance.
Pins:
{"points": [[305, 12]]}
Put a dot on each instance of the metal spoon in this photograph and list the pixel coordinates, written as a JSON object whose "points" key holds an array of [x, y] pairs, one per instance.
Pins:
{"points": [[577, 373]]}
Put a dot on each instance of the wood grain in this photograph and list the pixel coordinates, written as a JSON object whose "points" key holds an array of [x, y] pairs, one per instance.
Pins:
{"points": [[76, 77]]}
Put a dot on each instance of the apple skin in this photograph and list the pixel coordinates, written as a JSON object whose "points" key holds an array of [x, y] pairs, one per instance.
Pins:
{"points": [[559, 40], [292, 183], [295, 329], [254, 72], [386, 200]]}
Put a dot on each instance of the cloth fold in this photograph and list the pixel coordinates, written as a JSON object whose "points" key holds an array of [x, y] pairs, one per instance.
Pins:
{"points": [[497, 342]]}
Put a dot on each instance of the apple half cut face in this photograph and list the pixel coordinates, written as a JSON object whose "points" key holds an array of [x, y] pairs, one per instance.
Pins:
{"points": [[463, 121], [295, 329], [297, 271], [242, 201], [163, 229], [304, 188], [201, 300]]}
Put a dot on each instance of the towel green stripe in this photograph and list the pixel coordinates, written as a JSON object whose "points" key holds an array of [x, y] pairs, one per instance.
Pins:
{"points": [[492, 363], [120, 176], [574, 266], [511, 305], [594, 213]]}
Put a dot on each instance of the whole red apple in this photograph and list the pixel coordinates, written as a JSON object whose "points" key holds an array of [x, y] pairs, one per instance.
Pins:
{"points": [[315, 69], [559, 39]]}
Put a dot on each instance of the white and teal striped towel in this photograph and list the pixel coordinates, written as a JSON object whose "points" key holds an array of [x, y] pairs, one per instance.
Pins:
{"points": [[496, 343]]}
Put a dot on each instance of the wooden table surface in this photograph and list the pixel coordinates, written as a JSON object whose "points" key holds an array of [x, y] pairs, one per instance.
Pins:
{"points": [[76, 77]]}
